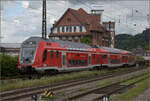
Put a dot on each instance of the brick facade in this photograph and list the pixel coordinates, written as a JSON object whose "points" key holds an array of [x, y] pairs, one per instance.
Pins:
{"points": [[74, 25]]}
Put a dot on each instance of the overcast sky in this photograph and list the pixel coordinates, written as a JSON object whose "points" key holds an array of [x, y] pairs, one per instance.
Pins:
{"points": [[21, 19]]}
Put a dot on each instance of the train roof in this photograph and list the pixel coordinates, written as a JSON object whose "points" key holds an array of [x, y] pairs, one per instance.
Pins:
{"points": [[114, 50], [68, 44], [63, 44]]}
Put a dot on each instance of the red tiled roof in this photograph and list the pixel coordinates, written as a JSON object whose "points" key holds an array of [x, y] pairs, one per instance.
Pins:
{"points": [[86, 19], [91, 22]]}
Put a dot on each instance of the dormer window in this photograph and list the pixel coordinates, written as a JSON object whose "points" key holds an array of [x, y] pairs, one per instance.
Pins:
{"points": [[74, 28], [67, 28], [70, 28], [63, 29], [58, 29], [80, 28]]}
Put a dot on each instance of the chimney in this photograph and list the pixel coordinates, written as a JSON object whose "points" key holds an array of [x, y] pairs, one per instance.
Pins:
{"points": [[97, 12]]}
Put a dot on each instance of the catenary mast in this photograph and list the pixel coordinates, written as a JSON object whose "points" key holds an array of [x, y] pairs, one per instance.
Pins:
{"points": [[44, 30]]}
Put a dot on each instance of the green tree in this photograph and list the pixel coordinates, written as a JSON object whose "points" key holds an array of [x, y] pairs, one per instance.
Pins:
{"points": [[127, 41], [86, 40]]}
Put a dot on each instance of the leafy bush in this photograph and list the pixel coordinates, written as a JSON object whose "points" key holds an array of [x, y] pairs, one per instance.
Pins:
{"points": [[9, 65], [139, 59]]}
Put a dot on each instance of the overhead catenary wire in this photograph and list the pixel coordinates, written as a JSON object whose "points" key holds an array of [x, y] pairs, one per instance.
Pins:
{"points": [[127, 25]]}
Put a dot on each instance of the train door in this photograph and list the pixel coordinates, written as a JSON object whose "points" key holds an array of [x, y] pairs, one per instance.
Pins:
{"points": [[108, 56], [89, 58], [63, 60]]}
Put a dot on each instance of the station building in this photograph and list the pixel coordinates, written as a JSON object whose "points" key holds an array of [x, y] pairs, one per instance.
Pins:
{"points": [[75, 25]]}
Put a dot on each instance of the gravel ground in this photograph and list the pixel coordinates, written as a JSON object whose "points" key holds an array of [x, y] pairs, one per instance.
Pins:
{"points": [[75, 89]]}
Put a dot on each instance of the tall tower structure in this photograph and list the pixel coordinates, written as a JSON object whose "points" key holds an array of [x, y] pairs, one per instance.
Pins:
{"points": [[99, 13], [44, 29]]}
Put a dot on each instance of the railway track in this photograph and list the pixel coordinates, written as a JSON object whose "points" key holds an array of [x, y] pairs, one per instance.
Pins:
{"points": [[107, 90], [27, 92], [119, 88]]}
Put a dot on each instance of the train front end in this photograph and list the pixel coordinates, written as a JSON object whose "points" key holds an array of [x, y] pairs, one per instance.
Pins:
{"points": [[27, 57]]}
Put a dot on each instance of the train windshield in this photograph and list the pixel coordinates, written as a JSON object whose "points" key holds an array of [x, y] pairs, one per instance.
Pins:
{"points": [[28, 54]]}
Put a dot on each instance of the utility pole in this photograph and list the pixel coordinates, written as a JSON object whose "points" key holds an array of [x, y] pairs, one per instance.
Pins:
{"points": [[44, 30], [149, 15]]}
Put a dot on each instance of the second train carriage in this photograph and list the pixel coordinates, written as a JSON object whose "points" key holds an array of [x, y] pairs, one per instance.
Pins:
{"points": [[39, 55]]}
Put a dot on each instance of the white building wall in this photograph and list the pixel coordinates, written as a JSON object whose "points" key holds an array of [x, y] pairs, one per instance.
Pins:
{"points": [[83, 29], [77, 29], [60, 29], [55, 30]]}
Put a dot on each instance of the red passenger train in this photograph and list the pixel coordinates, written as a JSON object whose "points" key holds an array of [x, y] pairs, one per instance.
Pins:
{"points": [[39, 55]]}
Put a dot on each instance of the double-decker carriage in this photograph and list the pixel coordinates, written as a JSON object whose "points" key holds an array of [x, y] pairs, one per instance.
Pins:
{"points": [[38, 55]]}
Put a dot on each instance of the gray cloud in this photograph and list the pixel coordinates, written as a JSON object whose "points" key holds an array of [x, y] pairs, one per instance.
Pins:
{"points": [[35, 4], [29, 22]]}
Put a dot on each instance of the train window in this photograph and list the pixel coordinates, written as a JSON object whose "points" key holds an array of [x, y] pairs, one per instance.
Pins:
{"points": [[77, 62], [52, 54], [104, 56], [115, 61], [73, 62], [70, 63], [44, 55], [57, 54]]}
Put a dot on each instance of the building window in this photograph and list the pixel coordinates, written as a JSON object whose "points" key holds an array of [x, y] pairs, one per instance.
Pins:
{"points": [[74, 28], [58, 29], [80, 28], [55, 30], [63, 38], [67, 28], [76, 38], [63, 29], [70, 38], [70, 28]]}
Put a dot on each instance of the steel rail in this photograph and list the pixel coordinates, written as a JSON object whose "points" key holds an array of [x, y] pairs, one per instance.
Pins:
{"points": [[121, 88], [26, 92], [79, 95]]}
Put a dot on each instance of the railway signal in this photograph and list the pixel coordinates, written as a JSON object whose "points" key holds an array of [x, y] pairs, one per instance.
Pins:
{"points": [[34, 97]]}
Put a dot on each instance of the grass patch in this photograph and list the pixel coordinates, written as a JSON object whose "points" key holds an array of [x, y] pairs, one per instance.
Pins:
{"points": [[56, 78], [105, 82], [83, 89], [136, 79], [134, 92]]}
